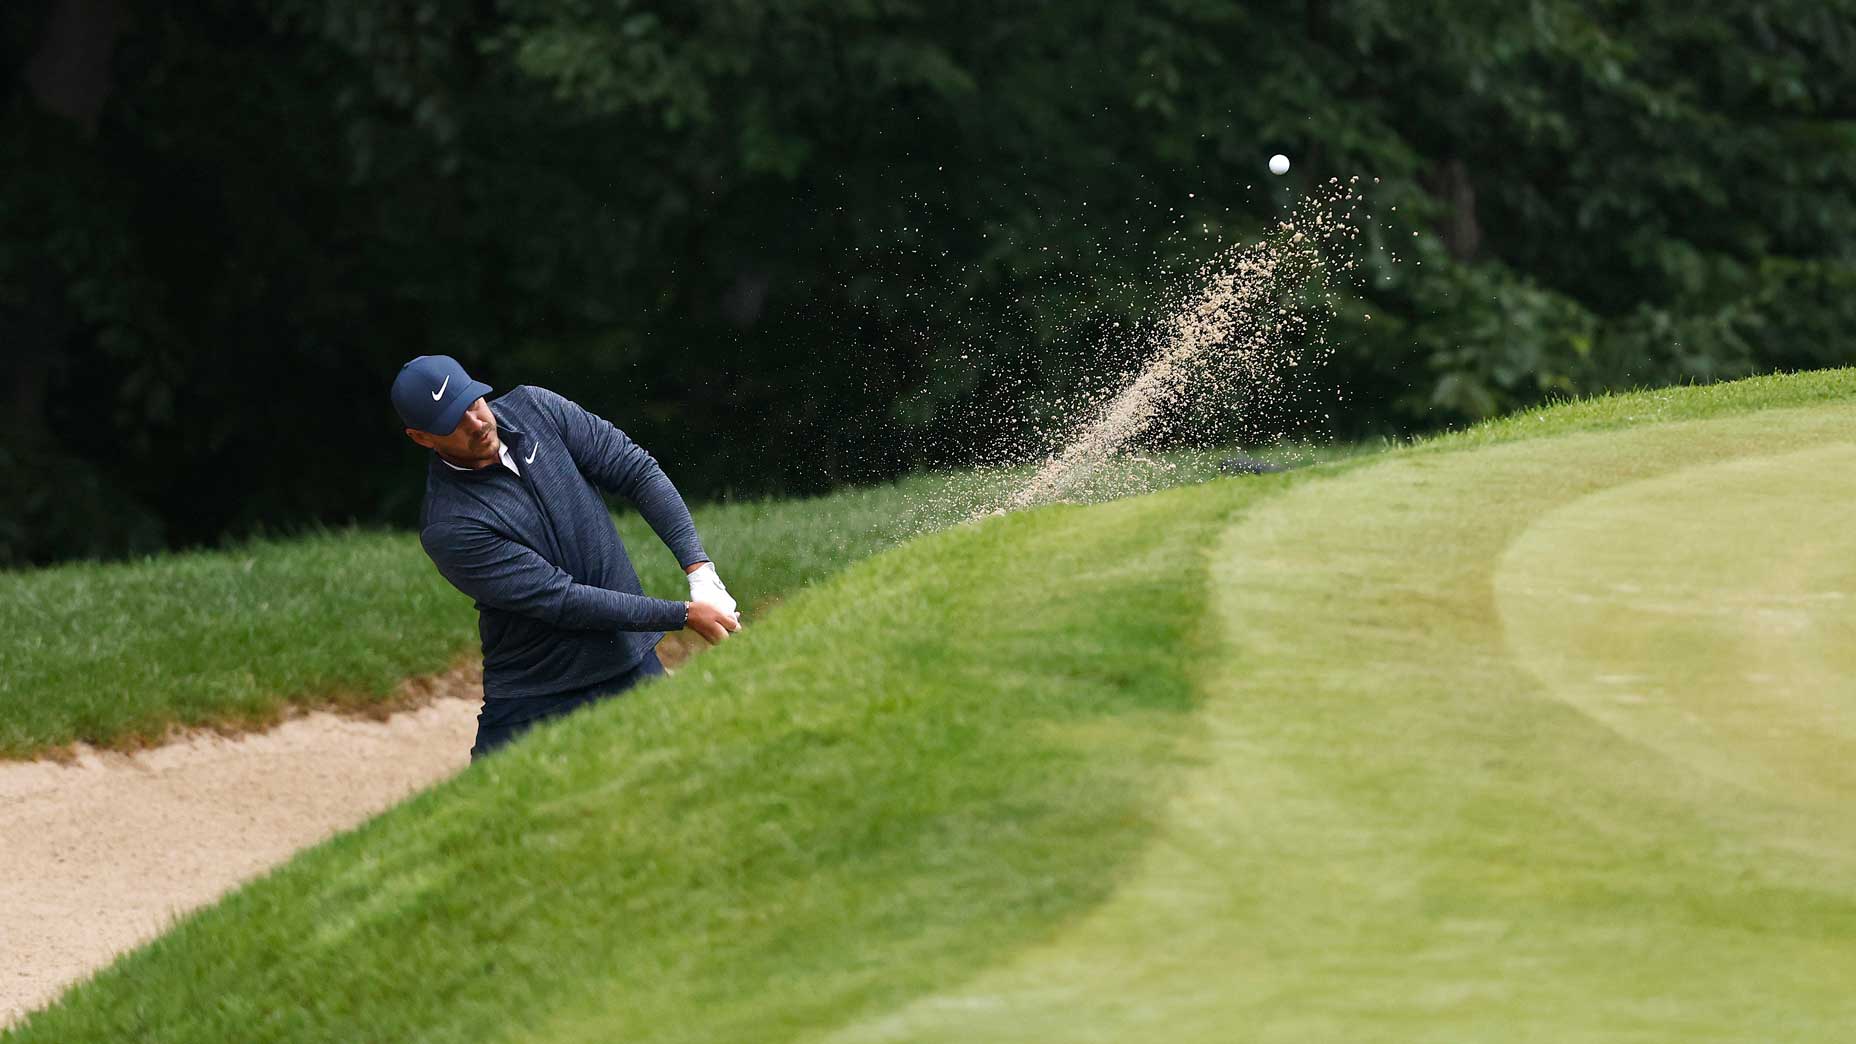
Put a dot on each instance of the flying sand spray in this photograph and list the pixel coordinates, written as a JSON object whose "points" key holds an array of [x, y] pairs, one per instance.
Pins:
{"points": [[1248, 321]]}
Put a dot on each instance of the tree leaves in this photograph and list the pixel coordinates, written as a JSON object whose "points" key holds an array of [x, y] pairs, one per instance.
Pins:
{"points": [[880, 229]]}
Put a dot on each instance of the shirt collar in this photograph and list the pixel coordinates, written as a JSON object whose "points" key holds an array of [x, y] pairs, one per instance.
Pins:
{"points": [[502, 451]]}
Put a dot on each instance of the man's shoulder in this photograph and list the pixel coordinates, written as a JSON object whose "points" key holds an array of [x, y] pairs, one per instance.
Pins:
{"points": [[446, 506], [529, 395], [528, 401], [441, 530], [439, 509]]}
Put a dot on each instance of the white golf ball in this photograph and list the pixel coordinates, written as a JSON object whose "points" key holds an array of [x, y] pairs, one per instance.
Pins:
{"points": [[1279, 164]]}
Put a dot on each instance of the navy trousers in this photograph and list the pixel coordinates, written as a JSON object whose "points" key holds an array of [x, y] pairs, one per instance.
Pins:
{"points": [[503, 720]]}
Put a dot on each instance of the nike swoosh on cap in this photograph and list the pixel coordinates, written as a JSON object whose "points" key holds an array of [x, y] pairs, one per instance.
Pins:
{"points": [[441, 388]]}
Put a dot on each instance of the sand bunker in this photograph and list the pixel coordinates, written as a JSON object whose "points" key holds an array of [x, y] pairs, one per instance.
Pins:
{"points": [[98, 855]]}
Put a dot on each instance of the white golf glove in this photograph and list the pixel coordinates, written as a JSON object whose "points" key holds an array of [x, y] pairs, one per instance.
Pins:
{"points": [[706, 587]]}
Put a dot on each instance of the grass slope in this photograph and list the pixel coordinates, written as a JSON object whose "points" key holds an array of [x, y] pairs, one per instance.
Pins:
{"points": [[936, 756]]}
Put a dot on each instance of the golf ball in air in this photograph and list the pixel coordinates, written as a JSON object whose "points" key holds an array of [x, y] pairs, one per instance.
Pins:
{"points": [[1279, 164]]}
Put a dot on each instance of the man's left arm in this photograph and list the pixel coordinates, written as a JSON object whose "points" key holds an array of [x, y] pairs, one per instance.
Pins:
{"points": [[613, 462]]}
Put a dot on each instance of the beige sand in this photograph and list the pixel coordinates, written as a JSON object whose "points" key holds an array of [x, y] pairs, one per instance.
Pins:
{"points": [[98, 854], [1240, 329]]}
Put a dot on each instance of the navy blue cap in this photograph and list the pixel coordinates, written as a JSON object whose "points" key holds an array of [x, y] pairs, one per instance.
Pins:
{"points": [[433, 391]]}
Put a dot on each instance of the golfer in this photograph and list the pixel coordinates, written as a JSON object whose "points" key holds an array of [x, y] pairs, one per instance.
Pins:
{"points": [[512, 517]]}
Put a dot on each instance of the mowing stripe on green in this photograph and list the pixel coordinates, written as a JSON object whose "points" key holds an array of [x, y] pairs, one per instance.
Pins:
{"points": [[1709, 614]]}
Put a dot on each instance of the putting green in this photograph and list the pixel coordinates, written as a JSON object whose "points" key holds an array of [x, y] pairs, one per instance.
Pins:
{"points": [[1707, 614], [1537, 742]]}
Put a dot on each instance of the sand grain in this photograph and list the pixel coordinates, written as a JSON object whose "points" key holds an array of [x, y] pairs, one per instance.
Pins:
{"points": [[101, 851]]}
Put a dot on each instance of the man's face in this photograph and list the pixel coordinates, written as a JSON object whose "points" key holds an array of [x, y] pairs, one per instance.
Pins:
{"points": [[473, 443]]}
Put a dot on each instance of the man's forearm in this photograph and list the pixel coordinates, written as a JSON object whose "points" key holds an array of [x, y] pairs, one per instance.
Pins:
{"points": [[588, 608]]}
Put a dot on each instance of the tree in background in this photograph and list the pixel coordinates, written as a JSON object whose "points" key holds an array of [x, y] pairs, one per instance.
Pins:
{"points": [[792, 243]]}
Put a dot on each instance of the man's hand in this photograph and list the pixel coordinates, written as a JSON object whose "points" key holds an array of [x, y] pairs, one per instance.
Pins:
{"points": [[711, 622]]}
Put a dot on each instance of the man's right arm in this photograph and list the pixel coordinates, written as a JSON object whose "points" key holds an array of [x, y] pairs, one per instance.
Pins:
{"points": [[504, 574]]}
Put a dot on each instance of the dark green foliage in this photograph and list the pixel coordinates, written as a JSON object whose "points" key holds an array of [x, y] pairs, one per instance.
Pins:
{"points": [[792, 243]]}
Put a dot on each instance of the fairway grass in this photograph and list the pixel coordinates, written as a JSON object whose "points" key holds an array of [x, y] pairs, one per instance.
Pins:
{"points": [[1442, 745]]}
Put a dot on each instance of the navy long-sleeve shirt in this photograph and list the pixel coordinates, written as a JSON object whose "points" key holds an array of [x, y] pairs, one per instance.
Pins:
{"points": [[559, 604]]}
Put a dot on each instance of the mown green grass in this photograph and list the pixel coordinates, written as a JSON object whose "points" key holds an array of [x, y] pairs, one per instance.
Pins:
{"points": [[114, 654], [1253, 759], [942, 751], [1548, 740]]}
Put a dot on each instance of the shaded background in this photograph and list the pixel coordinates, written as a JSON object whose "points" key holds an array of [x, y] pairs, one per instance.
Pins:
{"points": [[790, 244]]}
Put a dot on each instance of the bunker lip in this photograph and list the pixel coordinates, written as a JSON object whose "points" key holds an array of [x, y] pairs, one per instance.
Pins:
{"points": [[465, 674], [104, 846]]}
